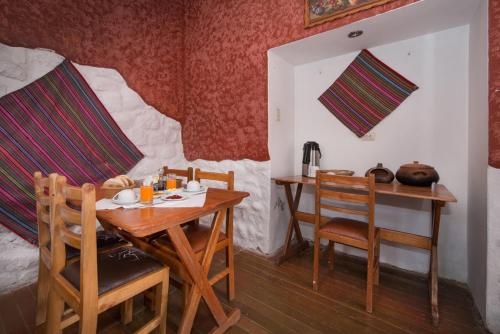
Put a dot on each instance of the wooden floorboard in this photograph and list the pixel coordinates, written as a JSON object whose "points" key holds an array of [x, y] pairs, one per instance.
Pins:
{"points": [[280, 299]]}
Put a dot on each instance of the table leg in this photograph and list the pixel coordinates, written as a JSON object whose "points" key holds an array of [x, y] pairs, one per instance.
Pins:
{"points": [[199, 274], [293, 224], [433, 267]]}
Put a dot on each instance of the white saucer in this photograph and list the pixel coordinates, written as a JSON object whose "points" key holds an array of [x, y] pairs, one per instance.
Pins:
{"points": [[125, 203]]}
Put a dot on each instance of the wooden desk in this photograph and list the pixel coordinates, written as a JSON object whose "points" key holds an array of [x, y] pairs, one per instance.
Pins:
{"points": [[147, 221], [439, 196]]}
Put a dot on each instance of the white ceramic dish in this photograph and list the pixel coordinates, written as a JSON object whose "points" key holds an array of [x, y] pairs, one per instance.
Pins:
{"points": [[125, 203], [166, 197]]}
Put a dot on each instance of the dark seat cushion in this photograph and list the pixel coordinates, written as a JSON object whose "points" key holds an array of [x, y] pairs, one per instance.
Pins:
{"points": [[197, 236], [105, 240], [353, 229], [115, 268]]}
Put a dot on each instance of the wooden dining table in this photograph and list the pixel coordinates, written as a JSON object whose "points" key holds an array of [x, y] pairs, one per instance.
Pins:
{"points": [[143, 222], [439, 195]]}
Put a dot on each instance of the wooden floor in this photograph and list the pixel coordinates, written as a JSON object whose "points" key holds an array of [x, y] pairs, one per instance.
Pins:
{"points": [[279, 299]]}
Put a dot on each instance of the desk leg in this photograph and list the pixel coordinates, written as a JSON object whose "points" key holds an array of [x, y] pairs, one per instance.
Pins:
{"points": [[293, 224], [199, 274], [433, 267]]}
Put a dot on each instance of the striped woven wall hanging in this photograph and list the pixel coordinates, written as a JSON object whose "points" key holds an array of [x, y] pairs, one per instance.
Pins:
{"points": [[55, 124], [365, 93]]}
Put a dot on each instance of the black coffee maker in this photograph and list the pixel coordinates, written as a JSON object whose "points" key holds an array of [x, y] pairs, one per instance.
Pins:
{"points": [[310, 158]]}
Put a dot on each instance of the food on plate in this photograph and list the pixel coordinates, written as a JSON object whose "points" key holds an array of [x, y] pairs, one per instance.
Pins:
{"points": [[174, 197]]}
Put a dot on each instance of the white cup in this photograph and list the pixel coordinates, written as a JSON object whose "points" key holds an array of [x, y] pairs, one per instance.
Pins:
{"points": [[125, 196], [193, 186]]}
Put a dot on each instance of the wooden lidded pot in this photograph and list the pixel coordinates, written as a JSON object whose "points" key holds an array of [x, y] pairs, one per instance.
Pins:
{"points": [[416, 174], [382, 174]]}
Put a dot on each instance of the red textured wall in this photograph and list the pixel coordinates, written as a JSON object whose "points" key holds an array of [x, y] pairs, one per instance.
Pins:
{"points": [[226, 71], [142, 39], [202, 62], [494, 78]]}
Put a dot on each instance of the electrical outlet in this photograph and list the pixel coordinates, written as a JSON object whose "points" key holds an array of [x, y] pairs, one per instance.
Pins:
{"points": [[278, 115], [370, 136]]}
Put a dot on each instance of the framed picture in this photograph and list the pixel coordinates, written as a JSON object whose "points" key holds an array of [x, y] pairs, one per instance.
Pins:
{"points": [[319, 11]]}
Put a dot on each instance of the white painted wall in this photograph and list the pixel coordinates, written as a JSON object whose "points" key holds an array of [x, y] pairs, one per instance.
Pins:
{"points": [[493, 265], [478, 155], [157, 136], [430, 126], [281, 123]]}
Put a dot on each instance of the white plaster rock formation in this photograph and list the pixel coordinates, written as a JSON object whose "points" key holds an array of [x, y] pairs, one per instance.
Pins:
{"points": [[19, 261], [157, 136]]}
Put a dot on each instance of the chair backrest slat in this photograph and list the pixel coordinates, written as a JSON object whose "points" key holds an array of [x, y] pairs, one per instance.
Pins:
{"points": [[187, 173], [44, 216], [43, 200], [70, 215], [71, 238], [227, 178], [344, 196], [352, 181], [72, 193], [345, 210]]}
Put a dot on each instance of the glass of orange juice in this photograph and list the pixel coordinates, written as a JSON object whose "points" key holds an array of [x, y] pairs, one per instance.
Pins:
{"points": [[146, 194], [171, 182]]}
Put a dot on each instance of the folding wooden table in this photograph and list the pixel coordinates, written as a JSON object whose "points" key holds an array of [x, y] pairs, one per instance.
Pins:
{"points": [[150, 220], [439, 196]]}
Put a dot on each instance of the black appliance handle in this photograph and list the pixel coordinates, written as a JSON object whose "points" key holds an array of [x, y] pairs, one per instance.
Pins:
{"points": [[306, 158]]}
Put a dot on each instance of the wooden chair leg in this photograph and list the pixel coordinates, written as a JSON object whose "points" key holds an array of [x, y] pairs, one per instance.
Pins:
{"points": [[127, 310], [42, 293], [55, 313], [331, 254], [88, 319], [161, 299], [185, 293], [377, 262], [369, 281], [316, 263], [230, 278]]}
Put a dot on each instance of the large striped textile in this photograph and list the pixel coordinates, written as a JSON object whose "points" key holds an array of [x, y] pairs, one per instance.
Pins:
{"points": [[55, 124], [365, 93]]}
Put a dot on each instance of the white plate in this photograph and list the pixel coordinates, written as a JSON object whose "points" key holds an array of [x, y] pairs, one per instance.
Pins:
{"points": [[166, 198], [125, 203], [173, 191], [202, 190]]}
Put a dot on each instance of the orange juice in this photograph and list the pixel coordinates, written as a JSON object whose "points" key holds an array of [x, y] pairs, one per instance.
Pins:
{"points": [[171, 182], [147, 194]]}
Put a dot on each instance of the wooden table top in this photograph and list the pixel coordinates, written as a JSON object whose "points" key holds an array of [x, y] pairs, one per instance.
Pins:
{"points": [[440, 192], [142, 222]]}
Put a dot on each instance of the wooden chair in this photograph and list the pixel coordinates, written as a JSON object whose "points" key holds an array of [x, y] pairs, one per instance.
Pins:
{"points": [[352, 196], [198, 236], [97, 281], [105, 241], [143, 243]]}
